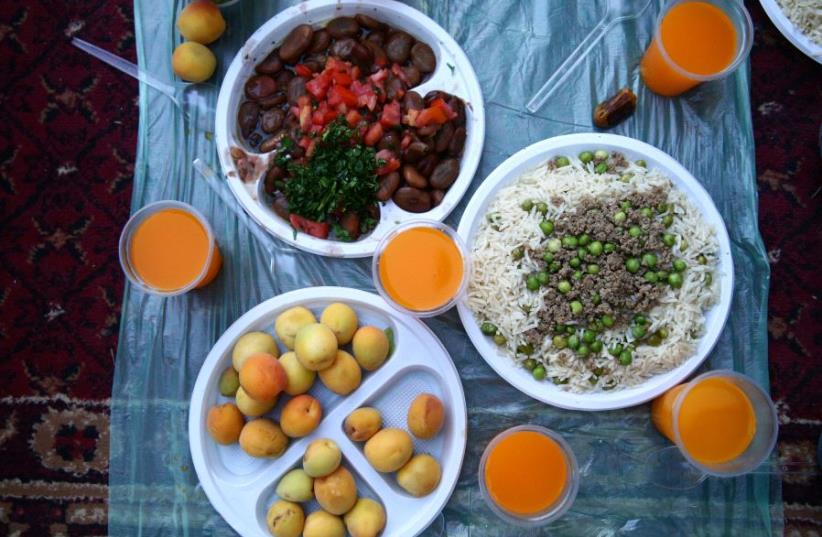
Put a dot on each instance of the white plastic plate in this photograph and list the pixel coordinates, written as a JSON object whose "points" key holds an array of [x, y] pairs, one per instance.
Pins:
{"points": [[453, 75], [571, 145], [790, 31], [241, 488]]}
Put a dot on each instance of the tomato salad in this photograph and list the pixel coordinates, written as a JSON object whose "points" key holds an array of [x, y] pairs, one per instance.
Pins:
{"points": [[341, 95]]}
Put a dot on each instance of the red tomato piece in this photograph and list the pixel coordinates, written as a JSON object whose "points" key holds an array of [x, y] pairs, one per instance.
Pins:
{"points": [[341, 94], [305, 118], [440, 103], [390, 166], [373, 135], [427, 116], [315, 229], [353, 117], [391, 114], [342, 79], [318, 86], [303, 71]]}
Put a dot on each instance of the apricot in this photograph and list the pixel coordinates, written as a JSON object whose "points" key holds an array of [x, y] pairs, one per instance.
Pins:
{"points": [[316, 346], [362, 424], [296, 486], [290, 321], [321, 457], [252, 407], [420, 475], [285, 519], [343, 376], [365, 519], [263, 377], [370, 346], [389, 450], [193, 62], [263, 438], [323, 524], [201, 21], [342, 320], [229, 382], [300, 416], [336, 492], [300, 379], [250, 344], [425, 416], [224, 423]]}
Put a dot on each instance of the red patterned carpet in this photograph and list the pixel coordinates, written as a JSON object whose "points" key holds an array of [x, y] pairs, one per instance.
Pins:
{"points": [[68, 130]]}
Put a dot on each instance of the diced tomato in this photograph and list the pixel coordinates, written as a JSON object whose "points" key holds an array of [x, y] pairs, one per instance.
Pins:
{"points": [[353, 117], [385, 154], [391, 114], [373, 135], [315, 229], [334, 64], [342, 79], [303, 100], [440, 103], [305, 118], [430, 115], [341, 94], [303, 71], [318, 86], [304, 142], [311, 148], [390, 166]]}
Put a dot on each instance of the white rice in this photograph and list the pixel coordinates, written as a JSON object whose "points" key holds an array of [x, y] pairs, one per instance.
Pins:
{"points": [[497, 292], [806, 15]]}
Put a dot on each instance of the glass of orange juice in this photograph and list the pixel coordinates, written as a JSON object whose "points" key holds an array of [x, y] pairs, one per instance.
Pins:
{"points": [[421, 268], [723, 423], [696, 41], [168, 248], [528, 475]]}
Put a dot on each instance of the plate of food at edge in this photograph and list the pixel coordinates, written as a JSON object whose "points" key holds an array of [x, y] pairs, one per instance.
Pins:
{"points": [[339, 120], [601, 271]]}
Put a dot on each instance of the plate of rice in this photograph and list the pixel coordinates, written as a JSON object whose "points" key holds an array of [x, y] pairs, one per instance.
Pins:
{"points": [[601, 271], [800, 21]]}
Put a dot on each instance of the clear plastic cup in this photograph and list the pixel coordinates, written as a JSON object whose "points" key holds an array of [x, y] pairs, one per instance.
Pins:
{"points": [[375, 267], [665, 77], [764, 438], [212, 264], [553, 511]]}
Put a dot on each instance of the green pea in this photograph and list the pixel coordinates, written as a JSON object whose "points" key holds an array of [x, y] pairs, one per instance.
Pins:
{"points": [[588, 336], [526, 349], [683, 245], [651, 277], [609, 247], [542, 277], [573, 342], [649, 260], [667, 220], [584, 239], [625, 177], [595, 248], [518, 253], [529, 364], [625, 205], [625, 358], [601, 168], [632, 265], [635, 231], [500, 340], [709, 278], [620, 217], [597, 326], [488, 329], [586, 156], [538, 373], [554, 245], [583, 351], [554, 267], [575, 262], [668, 239], [564, 287], [569, 241], [662, 208], [679, 265], [527, 205], [557, 380], [596, 347], [702, 260], [640, 319], [600, 154], [653, 340], [532, 283], [547, 227], [663, 332], [559, 342], [577, 275], [662, 276], [647, 212], [675, 280], [608, 320], [615, 350], [582, 253], [595, 299], [593, 268], [638, 331], [559, 329], [641, 163], [570, 330], [547, 257], [561, 161], [576, 307]]}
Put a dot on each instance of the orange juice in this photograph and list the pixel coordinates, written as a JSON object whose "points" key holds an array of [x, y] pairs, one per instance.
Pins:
{"points": [[526, 472], [699, 38], [421, 268], [716, 420], [169, 250]]}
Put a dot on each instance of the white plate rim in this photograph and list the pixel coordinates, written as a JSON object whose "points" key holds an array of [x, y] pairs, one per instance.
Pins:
{"points": [[790, 31], [544, 391]]}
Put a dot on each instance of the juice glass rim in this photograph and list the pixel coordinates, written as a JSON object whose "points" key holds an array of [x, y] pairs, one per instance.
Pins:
{"points": [[743, 50], [553, 511], [131, 226], [421, 222], [678, 438]]}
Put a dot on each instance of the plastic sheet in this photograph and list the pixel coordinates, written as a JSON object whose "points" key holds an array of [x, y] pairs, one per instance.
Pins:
{"points": [[514, 46]]}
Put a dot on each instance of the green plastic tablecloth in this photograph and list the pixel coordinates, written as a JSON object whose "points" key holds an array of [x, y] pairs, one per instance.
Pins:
{"points": [[513, 47]]}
